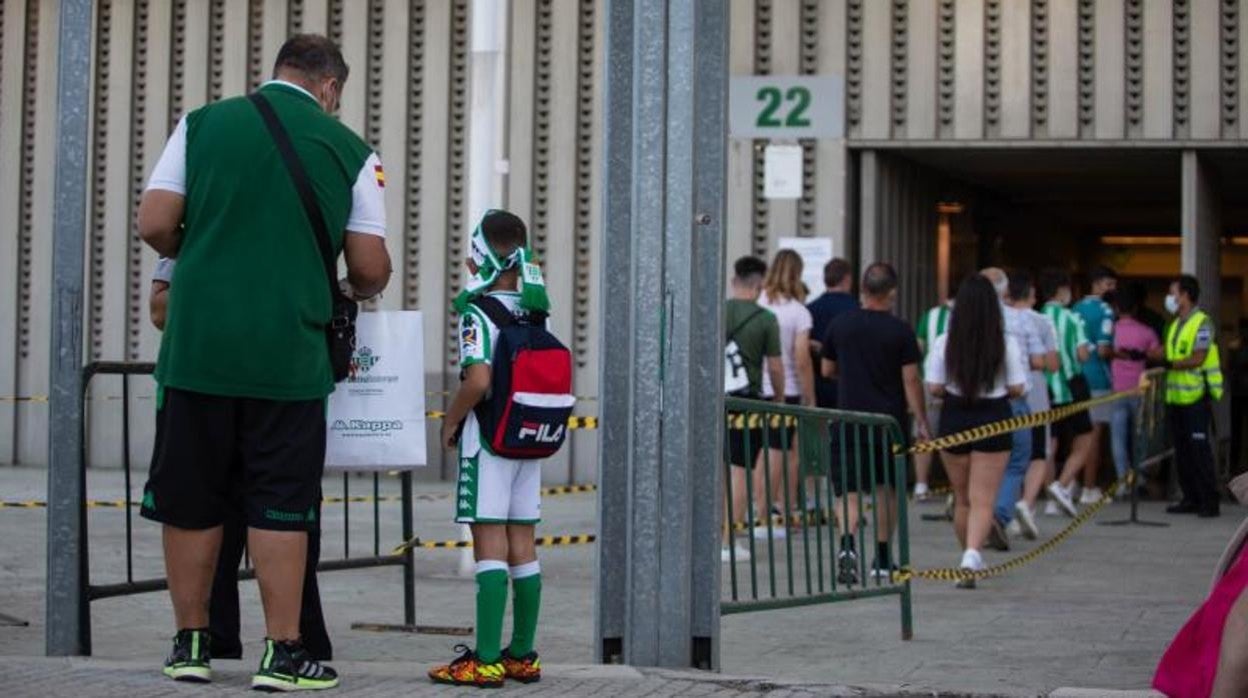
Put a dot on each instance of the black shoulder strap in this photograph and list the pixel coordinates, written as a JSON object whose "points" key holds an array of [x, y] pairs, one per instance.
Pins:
{"points": [[299, 177], [494, 310], [745, 322]]}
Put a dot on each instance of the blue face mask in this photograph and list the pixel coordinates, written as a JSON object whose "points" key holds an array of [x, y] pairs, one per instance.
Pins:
{"points": [[1172, 304]]}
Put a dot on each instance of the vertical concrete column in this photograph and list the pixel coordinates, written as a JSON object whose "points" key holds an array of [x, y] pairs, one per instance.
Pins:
{"points": [[1201, 225], [868, 208], [662, 291]]}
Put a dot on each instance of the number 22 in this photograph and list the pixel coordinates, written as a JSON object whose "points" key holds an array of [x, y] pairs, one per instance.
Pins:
{"points": [[771, 97]]}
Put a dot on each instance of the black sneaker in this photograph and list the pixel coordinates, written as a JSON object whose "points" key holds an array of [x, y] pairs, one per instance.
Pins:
{"points": [[190, 659], [287, 666], [883, 570], [998, 539], [847, 567]]}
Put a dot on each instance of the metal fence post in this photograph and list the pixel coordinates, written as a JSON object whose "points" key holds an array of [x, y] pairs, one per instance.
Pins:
{"points": [[663, 285], [68, 617]]}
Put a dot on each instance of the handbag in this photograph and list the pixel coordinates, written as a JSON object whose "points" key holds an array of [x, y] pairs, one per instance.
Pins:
{"points": [[340, 331]]}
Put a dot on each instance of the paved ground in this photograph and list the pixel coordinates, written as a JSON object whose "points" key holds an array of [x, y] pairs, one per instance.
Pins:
{"points": [[1095, 613]]}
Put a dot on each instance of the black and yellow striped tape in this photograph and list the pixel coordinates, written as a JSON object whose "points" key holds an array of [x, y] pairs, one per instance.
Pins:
{"points": [[954, 574], [541, 541], [1013, 424], [755, 421], [555, 491], [573, 422]]}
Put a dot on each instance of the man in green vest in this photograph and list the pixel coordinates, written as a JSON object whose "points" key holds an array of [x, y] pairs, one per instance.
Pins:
{"points": [[1193, 382], [244, 367]]}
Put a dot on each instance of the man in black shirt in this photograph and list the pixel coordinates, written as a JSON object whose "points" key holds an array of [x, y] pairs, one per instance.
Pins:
{"points": [[874, 356], [838, 279]]}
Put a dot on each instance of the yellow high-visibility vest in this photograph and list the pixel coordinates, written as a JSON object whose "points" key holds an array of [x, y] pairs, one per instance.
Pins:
{"points": [[1187, 386]]}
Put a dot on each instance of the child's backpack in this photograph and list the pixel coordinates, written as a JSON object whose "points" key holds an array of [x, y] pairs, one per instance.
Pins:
{"points": [[525, 415]]}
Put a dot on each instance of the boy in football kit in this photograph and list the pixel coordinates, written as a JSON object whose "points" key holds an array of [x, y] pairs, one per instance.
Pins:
{"points": [[499, 498]]}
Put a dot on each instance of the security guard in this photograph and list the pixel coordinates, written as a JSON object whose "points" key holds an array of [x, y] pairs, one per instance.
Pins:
{"points": [[1193, 382]]}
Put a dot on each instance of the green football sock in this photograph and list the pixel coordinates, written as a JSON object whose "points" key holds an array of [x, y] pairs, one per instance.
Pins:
{"points": [[528, 601], [491, 604]]}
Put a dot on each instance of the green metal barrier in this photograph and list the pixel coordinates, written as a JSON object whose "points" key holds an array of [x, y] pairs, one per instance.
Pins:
{"points": [[801, 457]]}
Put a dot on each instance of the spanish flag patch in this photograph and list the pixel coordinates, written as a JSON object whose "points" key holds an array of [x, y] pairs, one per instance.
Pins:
{"points": [[380, 174]]}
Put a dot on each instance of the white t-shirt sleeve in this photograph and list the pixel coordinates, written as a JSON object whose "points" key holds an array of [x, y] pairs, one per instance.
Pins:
{"points": [[164, 270], [368, 201], [1015, 364], [934, 365], [170, 171], [803, 318]]}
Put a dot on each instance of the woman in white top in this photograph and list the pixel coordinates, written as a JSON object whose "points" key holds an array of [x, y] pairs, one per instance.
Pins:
{"points": [[976, 368], [785, 296]]}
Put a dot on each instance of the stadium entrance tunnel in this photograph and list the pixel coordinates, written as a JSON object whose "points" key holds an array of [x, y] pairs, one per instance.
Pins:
{"points": [[942, 212]]}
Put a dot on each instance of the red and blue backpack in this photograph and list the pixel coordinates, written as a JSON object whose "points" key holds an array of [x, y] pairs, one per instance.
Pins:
{"points": [[525, 415]]}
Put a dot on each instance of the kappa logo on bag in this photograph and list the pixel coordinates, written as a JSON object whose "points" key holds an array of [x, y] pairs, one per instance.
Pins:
{"points": [[526, 416]]}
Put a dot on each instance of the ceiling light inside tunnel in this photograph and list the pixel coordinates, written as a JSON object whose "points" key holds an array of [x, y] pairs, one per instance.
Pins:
{"points": [[1161, 240]]}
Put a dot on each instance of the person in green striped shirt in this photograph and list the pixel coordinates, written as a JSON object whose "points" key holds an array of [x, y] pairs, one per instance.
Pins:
{"points": [[933, 324], [1067, 385]]}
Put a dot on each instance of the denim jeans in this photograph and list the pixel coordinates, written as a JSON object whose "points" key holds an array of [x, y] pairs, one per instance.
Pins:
{"points": [[1122, 434], [1016, 467]]}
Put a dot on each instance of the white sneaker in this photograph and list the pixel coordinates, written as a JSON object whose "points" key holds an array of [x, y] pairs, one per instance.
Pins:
{"points": [[920, 491], [1092, 495], [972, 561], [1014, 530], [1026, 520], [778, 532], [1050, 509], [726, 555], [1063, 499]]}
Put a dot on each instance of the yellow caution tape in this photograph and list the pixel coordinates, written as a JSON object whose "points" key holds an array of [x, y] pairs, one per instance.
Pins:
{"points": [[1013, 424], [755, 421], [555, 491], [954, 574], [573, 422], [542, 541]]}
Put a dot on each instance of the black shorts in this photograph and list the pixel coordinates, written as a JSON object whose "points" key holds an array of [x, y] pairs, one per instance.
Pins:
{"points": [[744, 443], [960, 414], [213, 453], [1039, 442], [1080, 422], [782, 432], [852, 458]]}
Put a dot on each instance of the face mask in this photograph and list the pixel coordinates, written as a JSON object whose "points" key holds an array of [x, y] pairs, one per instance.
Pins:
{"points": [[1172, 304]]}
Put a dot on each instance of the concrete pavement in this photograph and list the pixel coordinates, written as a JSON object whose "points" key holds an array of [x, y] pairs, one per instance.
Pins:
{"points": [[1096, 613]]}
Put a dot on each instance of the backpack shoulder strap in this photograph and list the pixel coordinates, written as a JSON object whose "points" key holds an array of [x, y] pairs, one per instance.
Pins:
{"points": [[741, 325], [494, 310]]}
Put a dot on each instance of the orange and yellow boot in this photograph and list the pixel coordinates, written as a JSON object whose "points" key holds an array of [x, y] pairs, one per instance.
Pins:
{"points": [[526, 669], [469, 670]]}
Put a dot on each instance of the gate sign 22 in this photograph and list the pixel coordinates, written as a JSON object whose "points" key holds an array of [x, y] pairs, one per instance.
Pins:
{"points": [[786, 106]]}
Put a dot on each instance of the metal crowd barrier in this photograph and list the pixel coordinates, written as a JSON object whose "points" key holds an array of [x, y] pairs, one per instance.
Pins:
{"points": [[1151, 443], [800, 567], [93, 592]]}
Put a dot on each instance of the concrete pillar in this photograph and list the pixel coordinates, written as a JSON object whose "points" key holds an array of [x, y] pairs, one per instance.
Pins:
{"points": [[1201, 226]]}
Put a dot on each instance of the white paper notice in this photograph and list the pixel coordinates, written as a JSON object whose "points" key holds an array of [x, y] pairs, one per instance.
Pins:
{"points": [[815, 253], [782, 172], [377, 416]]}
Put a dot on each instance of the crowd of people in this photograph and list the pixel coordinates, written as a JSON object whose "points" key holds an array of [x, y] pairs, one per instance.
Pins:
{"points": [[1001, 345]]}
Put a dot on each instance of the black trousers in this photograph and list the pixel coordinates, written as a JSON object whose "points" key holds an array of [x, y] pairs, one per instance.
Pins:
{"points": [[1193, 454], [1239, 423], [223, 608]]}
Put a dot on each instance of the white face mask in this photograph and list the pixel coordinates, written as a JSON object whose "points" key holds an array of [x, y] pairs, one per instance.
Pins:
{"points": [[1172, 304]]}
